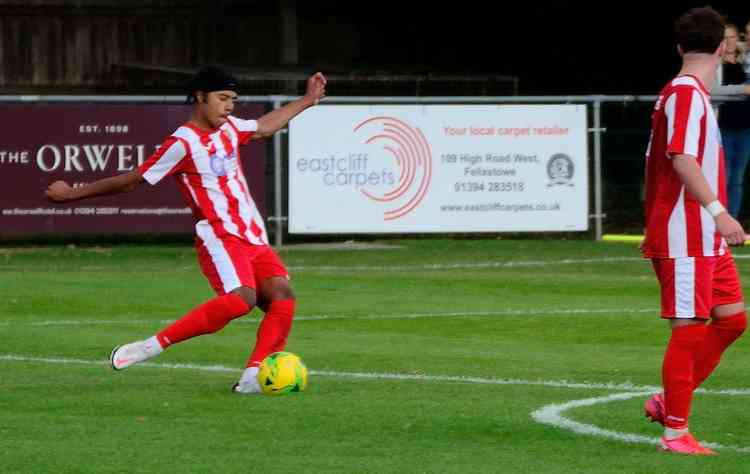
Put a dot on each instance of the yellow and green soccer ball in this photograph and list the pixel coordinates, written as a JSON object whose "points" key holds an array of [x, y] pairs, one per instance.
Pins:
{"points": [[281, 373]]}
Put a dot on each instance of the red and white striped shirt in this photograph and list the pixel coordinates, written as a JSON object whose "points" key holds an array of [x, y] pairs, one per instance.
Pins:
{"points": [[208, 171], [683, 122]]}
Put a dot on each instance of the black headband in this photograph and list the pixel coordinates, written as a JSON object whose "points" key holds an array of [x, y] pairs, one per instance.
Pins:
{"points": [[209, 79]]}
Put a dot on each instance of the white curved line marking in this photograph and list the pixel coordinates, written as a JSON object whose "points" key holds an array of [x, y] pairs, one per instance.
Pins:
{"points": [[552, 415]]}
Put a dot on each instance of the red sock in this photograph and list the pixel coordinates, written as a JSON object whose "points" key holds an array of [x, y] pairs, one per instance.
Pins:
{"points": [[207, 318], [721, 333], [677, 373], [272, 331]]}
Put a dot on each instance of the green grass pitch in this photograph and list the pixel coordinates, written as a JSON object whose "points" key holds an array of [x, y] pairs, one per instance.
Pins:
{"points": [[436, 356]]}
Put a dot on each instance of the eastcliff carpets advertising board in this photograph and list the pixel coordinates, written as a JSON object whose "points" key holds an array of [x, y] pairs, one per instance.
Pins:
{"points": [[438, 168]]}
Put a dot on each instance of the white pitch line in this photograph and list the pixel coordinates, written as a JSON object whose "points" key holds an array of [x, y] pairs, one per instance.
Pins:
{"points": [[549, 414], [451, 266], [626, 386], [507, 312], [552, 415], [501, 264], [359, 375], [392, 268], [324, 317], [387, 268]]}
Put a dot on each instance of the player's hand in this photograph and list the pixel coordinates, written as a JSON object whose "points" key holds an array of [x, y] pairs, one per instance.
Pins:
{"points": [[59, 191], [316, 87], [730, 229]]}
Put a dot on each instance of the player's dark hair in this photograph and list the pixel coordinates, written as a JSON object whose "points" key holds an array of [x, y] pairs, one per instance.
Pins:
{"points": [[699, 30]]}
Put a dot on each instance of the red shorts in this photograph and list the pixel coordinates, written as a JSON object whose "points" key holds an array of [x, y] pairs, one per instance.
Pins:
{"points": [[692, 286], [231, 262]]}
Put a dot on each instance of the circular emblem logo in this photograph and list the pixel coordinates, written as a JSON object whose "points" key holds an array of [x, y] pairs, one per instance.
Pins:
{"points": [[412, 164], [217, 164], [560, 170]]}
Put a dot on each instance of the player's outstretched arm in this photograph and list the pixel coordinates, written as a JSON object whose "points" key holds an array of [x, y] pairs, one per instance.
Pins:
{"points": [[275, 120], [692, 177], [60, 191]]}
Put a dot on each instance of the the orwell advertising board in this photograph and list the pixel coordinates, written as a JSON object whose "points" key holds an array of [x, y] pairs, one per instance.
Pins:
{"points": [[438, 168], [85, 142]]}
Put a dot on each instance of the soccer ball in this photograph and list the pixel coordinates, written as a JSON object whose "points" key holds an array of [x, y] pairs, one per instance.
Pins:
{"points": [[282, 372]]}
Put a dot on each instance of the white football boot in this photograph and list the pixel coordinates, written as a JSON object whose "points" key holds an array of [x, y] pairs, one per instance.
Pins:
{"points": [[126, 355], [248, 383]]}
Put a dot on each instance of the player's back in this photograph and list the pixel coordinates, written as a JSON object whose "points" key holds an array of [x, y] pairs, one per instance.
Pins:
{"points": [[683, 123]]}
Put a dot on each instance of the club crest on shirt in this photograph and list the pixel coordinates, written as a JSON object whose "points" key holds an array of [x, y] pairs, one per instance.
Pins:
{"points": [[560, 170], [218, 164]]}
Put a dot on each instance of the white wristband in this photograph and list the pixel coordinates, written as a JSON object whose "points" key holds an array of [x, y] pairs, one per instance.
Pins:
{"points": [[715, 208]]}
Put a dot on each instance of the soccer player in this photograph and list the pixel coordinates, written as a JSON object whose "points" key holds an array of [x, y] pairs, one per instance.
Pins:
{"points": [[231, 241], [688, 229]]}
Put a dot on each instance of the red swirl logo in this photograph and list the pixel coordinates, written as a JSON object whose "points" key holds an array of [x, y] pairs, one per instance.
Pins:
{"points": [[413, 157]]}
